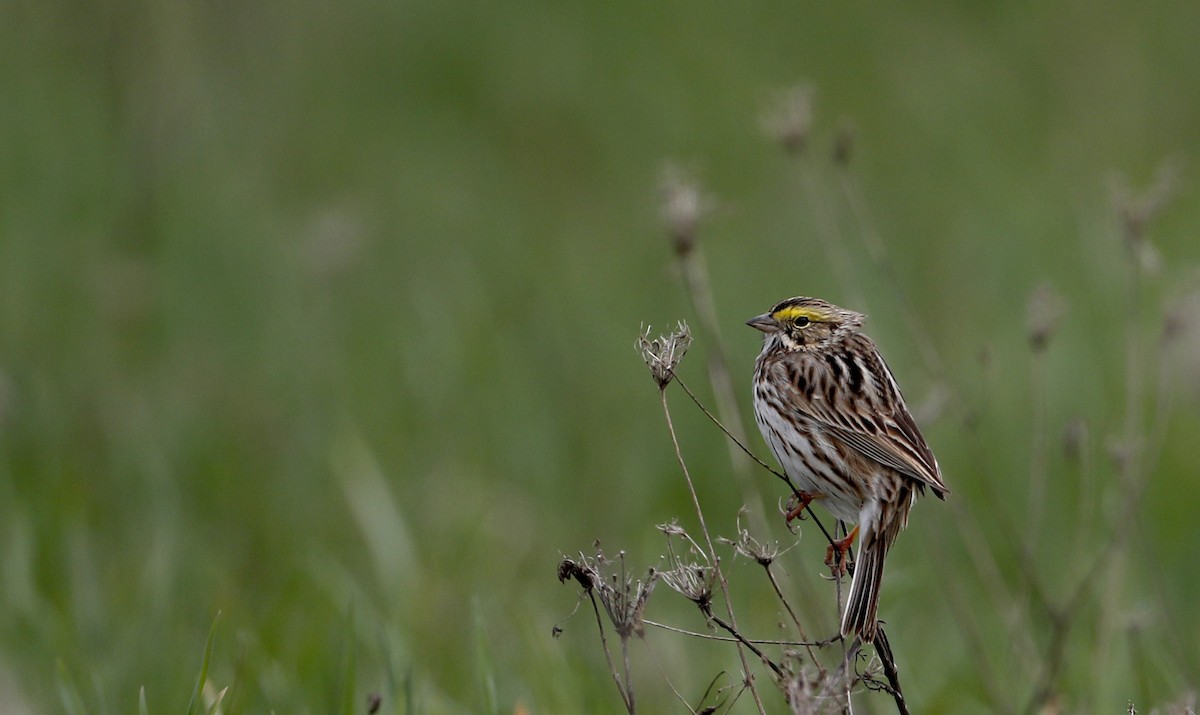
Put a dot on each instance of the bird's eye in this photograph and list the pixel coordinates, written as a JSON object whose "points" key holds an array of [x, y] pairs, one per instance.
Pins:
{"points": [[802, 321]]}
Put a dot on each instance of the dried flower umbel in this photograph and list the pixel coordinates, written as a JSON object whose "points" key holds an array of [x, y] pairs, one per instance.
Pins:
{"points": [[623, 598], [624, 601], [1136, 212], [745, 544], [789, 118], [662, 354], [684, 205], [692, 580], [1043, 315]]}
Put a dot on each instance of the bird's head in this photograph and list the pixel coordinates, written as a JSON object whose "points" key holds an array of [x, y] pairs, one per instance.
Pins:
{"points": [[806, 324]]}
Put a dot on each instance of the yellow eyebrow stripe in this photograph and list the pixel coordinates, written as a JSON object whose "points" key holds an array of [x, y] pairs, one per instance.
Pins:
{"points": [[794, 311]]}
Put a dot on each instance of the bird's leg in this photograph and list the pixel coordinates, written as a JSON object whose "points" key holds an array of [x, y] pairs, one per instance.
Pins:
{"points": [[798, 502], [835, 555]]}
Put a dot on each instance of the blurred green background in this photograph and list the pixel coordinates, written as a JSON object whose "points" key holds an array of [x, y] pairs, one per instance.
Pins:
{"points": [[320, 316]]}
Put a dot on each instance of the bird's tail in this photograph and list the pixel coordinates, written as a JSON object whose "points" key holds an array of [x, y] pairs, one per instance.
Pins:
{"points": [[862, 606]]}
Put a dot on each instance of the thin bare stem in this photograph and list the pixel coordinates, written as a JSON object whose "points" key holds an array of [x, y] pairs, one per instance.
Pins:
{"points": [[827, 231], [1087, 485], [628, 672], [1128, 466], [626, 698], [739, 442], [963, 610], [715, 559], [1044, 314], [699, 290], [730, 629], [756, 641], [981, 553], [812, 654], [662, 671], [1061, 619], [877, 249], [684, 207], [1039, 446], [890, 671], [786, 480]]}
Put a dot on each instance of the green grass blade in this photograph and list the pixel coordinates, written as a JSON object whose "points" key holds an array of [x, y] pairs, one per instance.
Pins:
{"points": [[193, 706], [216, 706], [142, 709], [67, 692], [484, 664]]}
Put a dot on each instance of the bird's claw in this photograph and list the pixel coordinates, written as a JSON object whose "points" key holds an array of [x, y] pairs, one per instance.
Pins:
{"points": [[796, 505], [835, 555]]}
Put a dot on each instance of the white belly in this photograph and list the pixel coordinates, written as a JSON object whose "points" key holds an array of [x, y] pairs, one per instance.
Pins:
{"points": [[808, 463]]}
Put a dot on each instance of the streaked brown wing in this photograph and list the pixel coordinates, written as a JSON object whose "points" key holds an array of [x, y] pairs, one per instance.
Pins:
{"points": [[881, 428], [895, 449]]}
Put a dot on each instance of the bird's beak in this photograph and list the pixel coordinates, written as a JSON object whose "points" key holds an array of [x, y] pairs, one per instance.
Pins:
{"points": [[764, 323]]}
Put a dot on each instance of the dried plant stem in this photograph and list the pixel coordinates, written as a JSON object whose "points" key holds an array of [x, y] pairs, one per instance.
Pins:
{"points": [[1156, 440], [748, 677], [977, 546], [964, 613], [1060, 625], [884, 649], [662, 671], [846, 675], [1129, 476], [626, 690], [1136, 455], [1088, 488], [740, 442], [699, 291], [877, 249], [786, 480], [628, 674], [812, 654], [729, 639], [827, 231], [743, 641], [1039, 447], [1023, 540], [1061, 619], [780, 475]]}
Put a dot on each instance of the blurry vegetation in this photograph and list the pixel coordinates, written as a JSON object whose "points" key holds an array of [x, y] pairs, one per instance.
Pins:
{"points": [[318, 316]]}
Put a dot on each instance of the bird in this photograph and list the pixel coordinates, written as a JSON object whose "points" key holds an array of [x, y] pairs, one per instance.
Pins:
{"points": [[832, 414]]}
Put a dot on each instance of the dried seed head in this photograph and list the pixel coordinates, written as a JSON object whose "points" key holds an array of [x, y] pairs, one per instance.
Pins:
{"points": [[684, 205], [1043, 315], [623, 598], [1121, 451], [750, 547], [1075, 439], [789, 118], [810, 690], [1181, 322], [688, 578], [1135, 213], [692, 581], [672, 528], [1181, 342], [662, 354], [624, 601]]}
